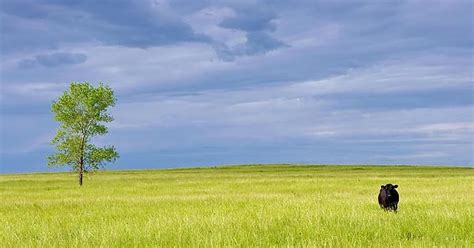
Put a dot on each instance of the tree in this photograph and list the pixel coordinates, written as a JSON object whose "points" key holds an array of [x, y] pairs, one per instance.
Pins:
{"points": [[82, 112]]}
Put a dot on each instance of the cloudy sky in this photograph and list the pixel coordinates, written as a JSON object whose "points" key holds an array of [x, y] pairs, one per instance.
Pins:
{"points": [[226, 82]]}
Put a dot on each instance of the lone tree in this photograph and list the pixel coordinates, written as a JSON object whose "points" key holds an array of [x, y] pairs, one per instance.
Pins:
{"points": [[82, 111]]}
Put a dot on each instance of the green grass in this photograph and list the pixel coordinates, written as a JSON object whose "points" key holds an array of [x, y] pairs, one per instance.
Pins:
{"points": [[245, 206]]}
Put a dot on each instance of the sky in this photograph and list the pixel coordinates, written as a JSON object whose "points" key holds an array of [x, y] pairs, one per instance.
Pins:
{"points": [[230, 82]]}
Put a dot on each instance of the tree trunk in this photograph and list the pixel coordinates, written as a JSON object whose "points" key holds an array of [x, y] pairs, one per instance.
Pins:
{"points": [[81, 162], [81, 171]]}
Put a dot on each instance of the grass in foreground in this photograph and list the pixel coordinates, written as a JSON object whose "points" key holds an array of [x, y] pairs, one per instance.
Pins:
{"points": [[272, 205]]}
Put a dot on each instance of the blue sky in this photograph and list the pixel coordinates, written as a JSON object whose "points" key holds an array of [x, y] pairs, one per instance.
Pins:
{"points": [[226, 82]]}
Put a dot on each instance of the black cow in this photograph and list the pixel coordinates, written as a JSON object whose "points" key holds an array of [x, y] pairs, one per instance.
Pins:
{"points": [[388, 197]]}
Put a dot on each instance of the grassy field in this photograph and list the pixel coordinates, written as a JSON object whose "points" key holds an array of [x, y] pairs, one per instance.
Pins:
{"points": [[245, 206]]}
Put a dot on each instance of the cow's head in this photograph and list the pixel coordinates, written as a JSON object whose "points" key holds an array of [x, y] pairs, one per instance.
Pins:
{"points": [[389, 188]]}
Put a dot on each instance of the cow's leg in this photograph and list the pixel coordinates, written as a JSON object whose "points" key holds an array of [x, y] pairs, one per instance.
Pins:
{"points": [[393, 207]]}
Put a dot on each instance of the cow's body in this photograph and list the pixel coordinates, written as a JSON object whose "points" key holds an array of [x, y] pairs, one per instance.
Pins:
{"points": [[388, 197]]}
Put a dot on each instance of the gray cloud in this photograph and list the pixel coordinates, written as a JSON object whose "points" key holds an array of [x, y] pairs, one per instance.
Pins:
{"points": [[53, 60], [260, 42], [147, 24], [251, 19], [257, 43], [140, 24], [257, 22]]}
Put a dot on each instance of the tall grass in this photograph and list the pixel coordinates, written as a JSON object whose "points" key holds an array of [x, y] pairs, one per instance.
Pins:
{"points": [[246, 206]]}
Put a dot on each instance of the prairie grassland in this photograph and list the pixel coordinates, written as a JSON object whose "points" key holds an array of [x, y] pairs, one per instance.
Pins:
{"points": [[239, 206]]}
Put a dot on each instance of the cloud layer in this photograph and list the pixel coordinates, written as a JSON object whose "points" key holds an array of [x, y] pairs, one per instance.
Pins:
{"points": [[212, 82]]}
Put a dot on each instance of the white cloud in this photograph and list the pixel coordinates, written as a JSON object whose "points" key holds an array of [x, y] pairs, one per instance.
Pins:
{"points": [[391, 76], [298, 110]]}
